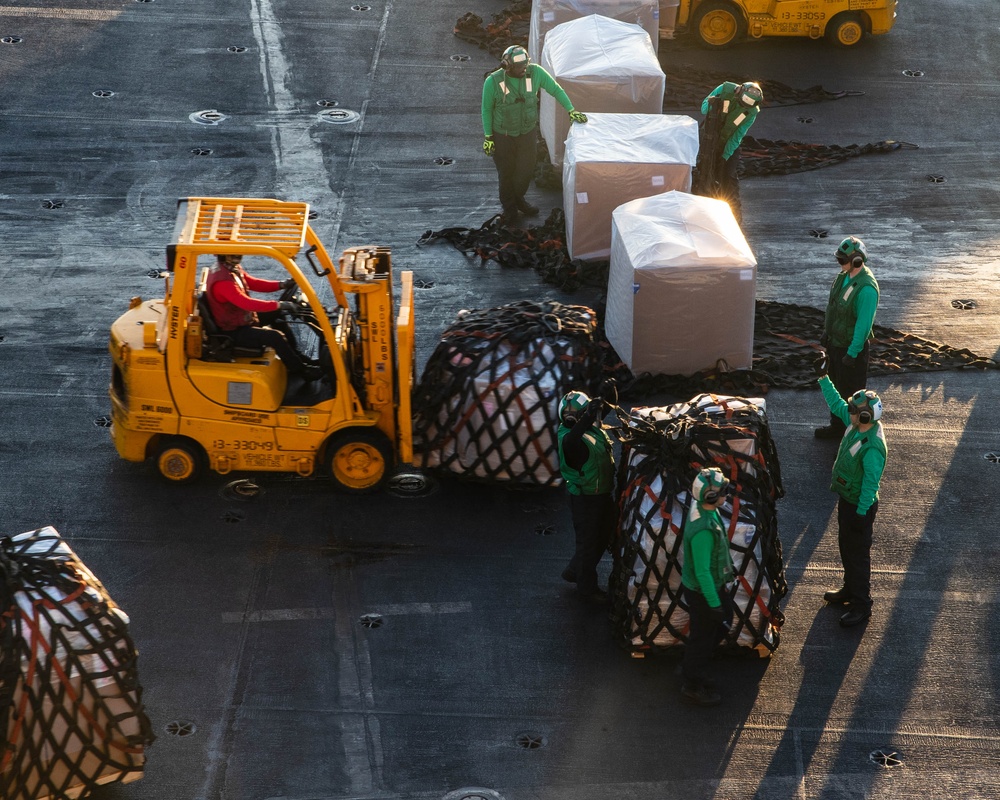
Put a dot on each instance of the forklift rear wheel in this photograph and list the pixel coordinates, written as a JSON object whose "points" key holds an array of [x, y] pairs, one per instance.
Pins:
{"points": [[719, 24], [845, 30], [359, 460], [180, 460]]}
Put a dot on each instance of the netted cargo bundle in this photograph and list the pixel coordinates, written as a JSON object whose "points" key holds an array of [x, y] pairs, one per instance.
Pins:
{"points": [[70, 702], [486, 406], [663, 449]]}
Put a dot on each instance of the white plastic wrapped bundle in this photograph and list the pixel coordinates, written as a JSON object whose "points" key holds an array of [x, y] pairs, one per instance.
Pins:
{"points": [[70, 703], [654, 587], [547, 14], [604, 65], [487, 404], [710, 430], [616, 158], [681, 286], [506, 431]]}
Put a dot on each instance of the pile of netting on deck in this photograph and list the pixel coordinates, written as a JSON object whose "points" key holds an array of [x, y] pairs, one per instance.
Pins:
{"points": [[786, 335], [663, 449], [506, 27]]}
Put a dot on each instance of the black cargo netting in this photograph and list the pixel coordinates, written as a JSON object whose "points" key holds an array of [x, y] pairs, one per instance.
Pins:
{"points": [[786, 336], [663, 450], [509, 26], [486, 405], [70, 702], [687, 87], [760, 157], [541, 248]]}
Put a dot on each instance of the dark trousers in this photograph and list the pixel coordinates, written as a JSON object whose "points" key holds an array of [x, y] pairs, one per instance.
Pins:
{"points": [[703, 635], [729, 183], [854, 535], [253, 336], [595, 517], [514, 157], [277, 320], [847, 380]]}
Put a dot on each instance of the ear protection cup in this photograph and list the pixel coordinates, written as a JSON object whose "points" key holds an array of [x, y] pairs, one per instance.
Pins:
{"points": [[868, 405], [709, 485], [572, 405], [508, 56], [852, 249]]}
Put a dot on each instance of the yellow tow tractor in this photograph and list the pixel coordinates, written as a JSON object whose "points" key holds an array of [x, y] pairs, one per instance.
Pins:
{"points": [[182, 394], [720, 23]]}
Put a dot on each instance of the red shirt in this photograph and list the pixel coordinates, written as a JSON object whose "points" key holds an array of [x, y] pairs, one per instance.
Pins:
{"points": [[229, 300]]}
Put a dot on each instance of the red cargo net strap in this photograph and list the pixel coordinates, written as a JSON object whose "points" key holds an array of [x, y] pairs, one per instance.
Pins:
{"points": [[70, 703]]}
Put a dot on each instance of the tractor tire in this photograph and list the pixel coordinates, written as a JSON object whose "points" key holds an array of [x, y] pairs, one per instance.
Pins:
{"points": [[845, 30], [719, 24], [359, 460], [180, 460]]}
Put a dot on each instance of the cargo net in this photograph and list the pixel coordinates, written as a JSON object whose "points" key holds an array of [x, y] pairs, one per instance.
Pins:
{"points": [[541, 248], [509, 26], [687, 87], [760, 157], [70, 702], [486, 405], [786, 336], [663, 449]]}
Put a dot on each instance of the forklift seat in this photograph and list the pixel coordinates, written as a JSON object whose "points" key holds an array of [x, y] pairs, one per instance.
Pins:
{"points": [[217, 345]]}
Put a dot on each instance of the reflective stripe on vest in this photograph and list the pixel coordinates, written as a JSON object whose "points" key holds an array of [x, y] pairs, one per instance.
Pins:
{"points": [[841, 312], [848, 470]]}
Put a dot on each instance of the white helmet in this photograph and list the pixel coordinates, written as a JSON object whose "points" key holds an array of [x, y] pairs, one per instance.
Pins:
{"points": [[709, 485]]}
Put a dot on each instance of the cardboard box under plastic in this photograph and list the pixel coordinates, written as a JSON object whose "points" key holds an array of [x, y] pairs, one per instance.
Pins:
{"points": [[604, 65], [547, 14], [616, 158], [681, 286]]}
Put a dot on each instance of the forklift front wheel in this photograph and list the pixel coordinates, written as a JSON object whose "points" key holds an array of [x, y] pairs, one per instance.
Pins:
{"points": [[359, 459], [719, 24], [180, 460], [845, 29]]}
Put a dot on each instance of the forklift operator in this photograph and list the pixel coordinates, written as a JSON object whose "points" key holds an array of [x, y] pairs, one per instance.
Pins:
{"points": [[235, 312]]}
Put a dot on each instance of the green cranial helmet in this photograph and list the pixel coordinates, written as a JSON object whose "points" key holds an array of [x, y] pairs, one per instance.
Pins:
{"points": [[867, 405], [572, 405], [750, 94], [709, 485], [513, 55], [851, 249]]}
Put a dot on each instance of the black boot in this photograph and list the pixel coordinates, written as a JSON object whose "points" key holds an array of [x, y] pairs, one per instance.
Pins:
{"points": [[700, 695], [856, 614], [510, 217], [841, 597], [526, 208]]}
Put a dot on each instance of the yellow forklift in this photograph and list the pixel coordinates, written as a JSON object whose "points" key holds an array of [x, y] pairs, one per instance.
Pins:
{"points": [[182, 394], [720, 23]]}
